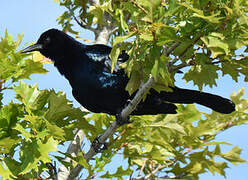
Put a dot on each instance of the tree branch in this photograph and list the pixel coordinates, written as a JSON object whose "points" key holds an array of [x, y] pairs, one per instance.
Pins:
{"points": [[110, 131], [73, 149]]}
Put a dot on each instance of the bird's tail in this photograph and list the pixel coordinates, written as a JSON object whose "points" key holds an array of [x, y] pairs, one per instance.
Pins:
{"points": [[186, 96]]}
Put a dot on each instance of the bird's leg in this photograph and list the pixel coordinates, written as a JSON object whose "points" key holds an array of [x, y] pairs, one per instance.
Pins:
{"points": [[121, 121], [98, 146]]}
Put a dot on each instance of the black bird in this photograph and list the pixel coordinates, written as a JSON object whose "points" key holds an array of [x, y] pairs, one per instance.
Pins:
{"points": [[88, 69]]}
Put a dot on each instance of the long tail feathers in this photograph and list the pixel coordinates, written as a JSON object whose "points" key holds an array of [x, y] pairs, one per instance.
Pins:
{"points": [[186, 96]]}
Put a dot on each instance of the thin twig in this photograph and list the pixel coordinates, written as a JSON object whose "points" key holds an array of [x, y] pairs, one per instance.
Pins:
{"points": [[189, 46], [190, 62], [172, 48], [152, 173], [138, 6], [156, 170], [82, 24], [114, 30], [142, 168], [186, 49]]}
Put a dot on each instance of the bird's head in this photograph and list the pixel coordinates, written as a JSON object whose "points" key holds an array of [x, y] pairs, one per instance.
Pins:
{"points": [[51, 44]]}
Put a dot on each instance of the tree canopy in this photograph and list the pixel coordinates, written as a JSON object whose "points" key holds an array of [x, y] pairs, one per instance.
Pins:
{"points": [[162, 37]]}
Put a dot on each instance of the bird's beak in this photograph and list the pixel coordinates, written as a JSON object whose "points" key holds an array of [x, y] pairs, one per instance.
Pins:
{"points": [[34, 47]]}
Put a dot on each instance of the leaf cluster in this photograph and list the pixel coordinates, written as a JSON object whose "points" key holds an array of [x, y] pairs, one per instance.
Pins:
{"points": [[36, 121]]}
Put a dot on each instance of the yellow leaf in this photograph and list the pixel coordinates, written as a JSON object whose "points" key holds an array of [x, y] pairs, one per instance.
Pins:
{"points": [[38, 57]]}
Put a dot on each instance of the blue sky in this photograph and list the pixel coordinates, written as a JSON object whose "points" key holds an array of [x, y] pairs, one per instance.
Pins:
{"points": [[34, 17]]}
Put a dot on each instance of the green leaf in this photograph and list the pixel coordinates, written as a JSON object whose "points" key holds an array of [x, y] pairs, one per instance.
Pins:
{"points": [[14, 65], [230, 69], [218, 167], [9, 115], [160, 72], [98, 12], [27, 94], [35, 122], [31, 67], [124, 25], [78, 159], [176, 127], [81, 160], [233, 155], [59, 107], [197, 168], [159, 154], [200, 14], [243, 67], [7, 144], [203, 129], [118, 174], [12, 165], [215, 143], [120, 39], [44, 148], [173, 126], [5, 172], [202, 74], [212, 19], [139, 162], [146, 36], [115, 52], [23, 131], [134, 82], [188, 113], [55, 131], [217, 44]]}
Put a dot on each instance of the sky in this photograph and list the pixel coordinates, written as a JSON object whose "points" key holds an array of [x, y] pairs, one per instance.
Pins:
{"points": [[34, 17]]}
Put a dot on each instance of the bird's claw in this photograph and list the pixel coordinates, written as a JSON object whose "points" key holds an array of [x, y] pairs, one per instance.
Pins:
{"points": [[129, 101], [121, 121], [98, 146]]}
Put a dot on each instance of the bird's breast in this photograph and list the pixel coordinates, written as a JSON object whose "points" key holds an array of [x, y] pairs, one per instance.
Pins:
{"points": [[99, 92]]}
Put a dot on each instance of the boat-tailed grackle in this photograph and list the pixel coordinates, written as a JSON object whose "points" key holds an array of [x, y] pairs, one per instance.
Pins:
{"points": [[88, 69]]}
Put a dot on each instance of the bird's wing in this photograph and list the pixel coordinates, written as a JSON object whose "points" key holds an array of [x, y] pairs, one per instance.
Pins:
{"points": [[99, 54]]}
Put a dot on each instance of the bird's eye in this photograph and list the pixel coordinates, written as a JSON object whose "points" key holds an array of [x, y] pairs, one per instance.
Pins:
{"points": [[47, 40]]}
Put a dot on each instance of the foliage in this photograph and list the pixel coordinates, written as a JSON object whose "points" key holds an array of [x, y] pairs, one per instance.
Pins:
{"points": [[206, 34], [38, 123]]}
